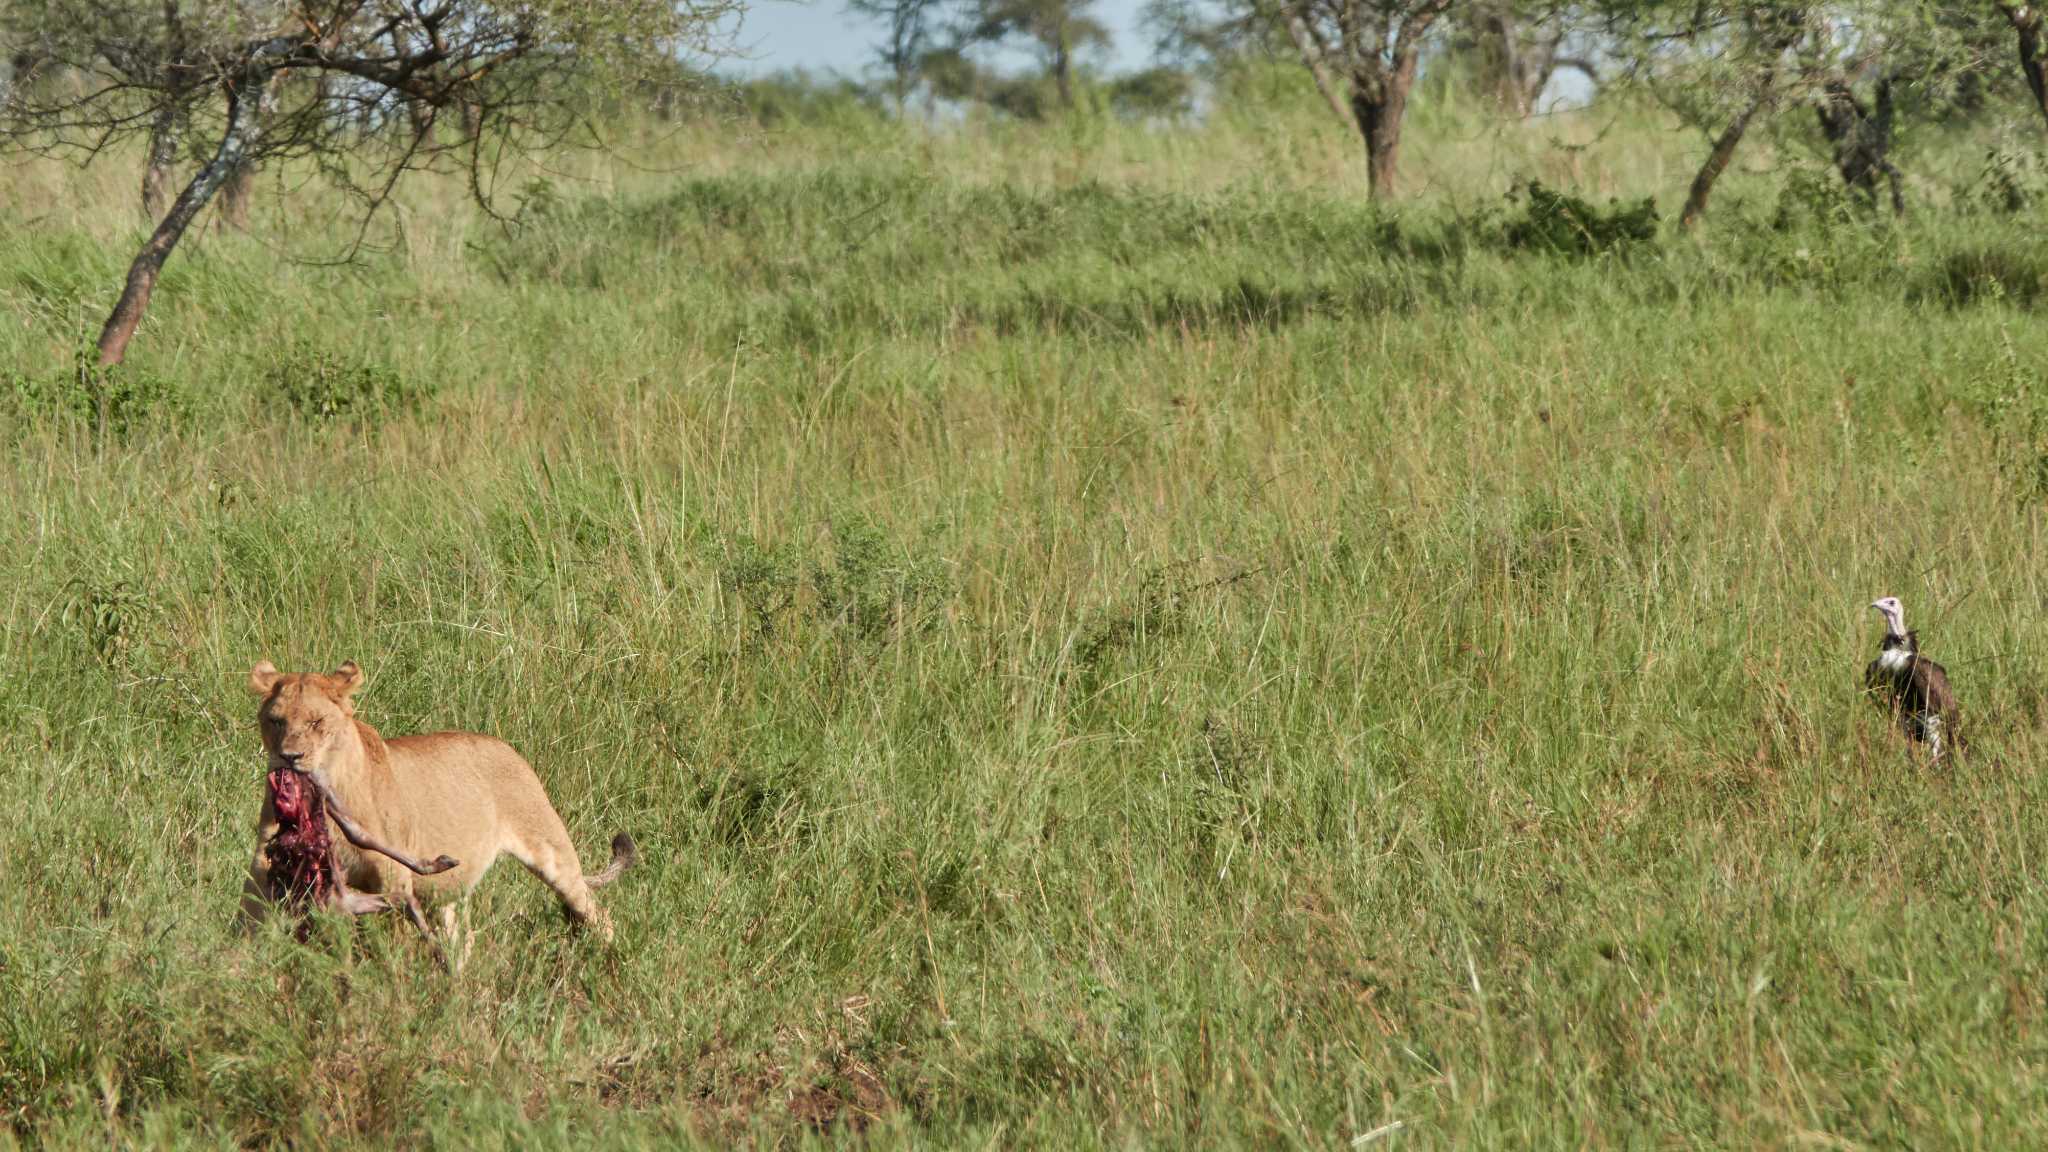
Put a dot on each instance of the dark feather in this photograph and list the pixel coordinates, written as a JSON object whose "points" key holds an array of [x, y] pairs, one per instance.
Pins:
{"points": [[1916, 693]]}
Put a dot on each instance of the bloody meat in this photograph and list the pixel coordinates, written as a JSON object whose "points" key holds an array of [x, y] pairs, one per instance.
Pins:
{"points": [[301, 855]]}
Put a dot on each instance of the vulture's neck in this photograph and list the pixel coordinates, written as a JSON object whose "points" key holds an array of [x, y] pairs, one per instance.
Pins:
{"points": [[1898, 651]]}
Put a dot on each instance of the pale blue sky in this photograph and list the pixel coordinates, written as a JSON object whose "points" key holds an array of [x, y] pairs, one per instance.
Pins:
{"points": [[818, 36]]}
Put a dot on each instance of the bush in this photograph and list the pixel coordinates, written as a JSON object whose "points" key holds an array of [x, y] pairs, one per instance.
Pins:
{"points": [[322, 384], [875, 587], [1155, 93], [2009, 183], [116, 401], [794, 98], [1815, 200], [764, 580], [1553, 221], [1977, 274]]}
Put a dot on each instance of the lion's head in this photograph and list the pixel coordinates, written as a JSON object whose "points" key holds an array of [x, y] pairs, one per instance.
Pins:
{"points": [[304, 716]]}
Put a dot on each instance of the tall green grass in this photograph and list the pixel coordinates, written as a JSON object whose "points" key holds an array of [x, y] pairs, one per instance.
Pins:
{"points": [[1089, 662]]}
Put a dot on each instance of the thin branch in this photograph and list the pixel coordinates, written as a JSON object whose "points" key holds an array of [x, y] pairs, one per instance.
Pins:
{"points": [[1312, 52]]}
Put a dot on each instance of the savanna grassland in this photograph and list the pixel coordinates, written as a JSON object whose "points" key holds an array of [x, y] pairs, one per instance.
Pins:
{"points": [[1103, 638]]}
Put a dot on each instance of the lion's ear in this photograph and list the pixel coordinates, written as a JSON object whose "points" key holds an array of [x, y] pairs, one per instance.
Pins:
{"points": [[262, 678], [347, 679]]}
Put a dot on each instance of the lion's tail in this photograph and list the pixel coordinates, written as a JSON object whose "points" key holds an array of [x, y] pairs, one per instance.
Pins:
{"points": [[624, 856]]}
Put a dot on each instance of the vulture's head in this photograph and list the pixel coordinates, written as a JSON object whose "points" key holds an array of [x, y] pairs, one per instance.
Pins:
{"points": [[1894, 615]]}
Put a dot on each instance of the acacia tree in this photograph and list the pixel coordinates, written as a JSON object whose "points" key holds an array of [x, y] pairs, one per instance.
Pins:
{"points": [[1727, 69], [294, 81], [1364, 55], [1722, 68], [1374, 47], [1763, 37], [908, 37], [1517, 48], [1058, 30]]}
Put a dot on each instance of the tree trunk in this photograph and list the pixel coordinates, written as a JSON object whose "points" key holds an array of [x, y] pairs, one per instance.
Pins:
{"points": [[244, 100], [235, 194], [2026, 22], [1379, 122], [240, 189], [1717, 160], [1716, 163], [1379, 104], [1776, 38], [1495, 59], [1862, 138], [1532, 77], [1510, 61], [1062, 69], [163, 153]]}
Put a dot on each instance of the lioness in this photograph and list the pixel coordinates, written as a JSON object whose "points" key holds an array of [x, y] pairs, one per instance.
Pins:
{"points": [[460, 797]]}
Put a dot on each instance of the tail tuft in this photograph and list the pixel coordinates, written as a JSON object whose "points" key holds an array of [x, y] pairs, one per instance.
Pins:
{"points": [[624, 856]]}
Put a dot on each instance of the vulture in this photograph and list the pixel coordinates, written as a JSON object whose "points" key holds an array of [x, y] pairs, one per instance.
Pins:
{"points": [[1910, 686]]}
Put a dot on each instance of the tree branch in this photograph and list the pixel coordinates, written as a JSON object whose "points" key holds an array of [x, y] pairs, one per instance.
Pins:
{"points": [[1312, 54]]}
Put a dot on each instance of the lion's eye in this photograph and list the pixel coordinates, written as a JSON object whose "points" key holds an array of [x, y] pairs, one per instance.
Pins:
{"points": [[315, 723]]}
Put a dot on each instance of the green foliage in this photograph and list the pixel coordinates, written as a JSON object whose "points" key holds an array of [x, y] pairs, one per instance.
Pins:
{"points": [[118, 402], [1028, 97], [2010, 183], [863, 585], [1165, 595], [875, 587], [1153, 93], [316, 382], [108, 617], [1058, 31], [540, 201], [1555, 221], [1813, 199], [765, 581], [786, 100], [2010, 273]]}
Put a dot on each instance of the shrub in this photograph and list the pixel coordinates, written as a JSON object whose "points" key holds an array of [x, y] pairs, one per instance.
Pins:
{"points": [[117, 400], [764, 580], [2009, 183], [322, 384], [1553, 221], [110, 617], [874, 587], [1977, 274], [1155, 93], [1814, 199]]}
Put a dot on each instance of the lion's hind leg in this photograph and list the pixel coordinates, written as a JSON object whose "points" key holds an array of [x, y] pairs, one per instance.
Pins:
{"points": [[551, 857]]}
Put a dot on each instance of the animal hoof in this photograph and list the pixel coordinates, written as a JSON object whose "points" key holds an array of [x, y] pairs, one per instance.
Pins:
{"points": [[441, 864]]}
